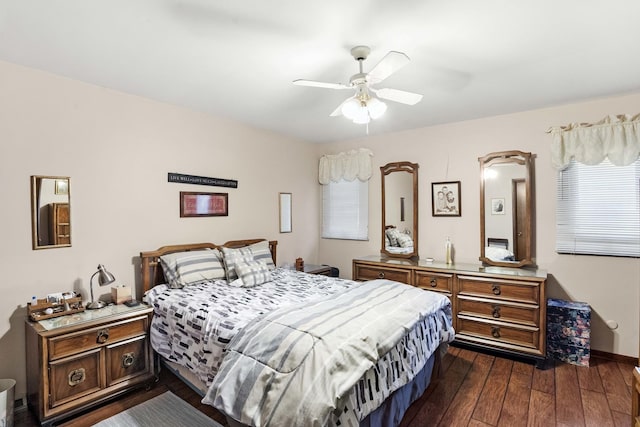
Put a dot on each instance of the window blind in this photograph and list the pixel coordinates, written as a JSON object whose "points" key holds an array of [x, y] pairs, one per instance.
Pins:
{"points": [[598, 209], [345, 210]]}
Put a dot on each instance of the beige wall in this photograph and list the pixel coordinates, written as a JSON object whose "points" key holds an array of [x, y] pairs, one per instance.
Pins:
{"points": [[118, 149], [450, 153]]}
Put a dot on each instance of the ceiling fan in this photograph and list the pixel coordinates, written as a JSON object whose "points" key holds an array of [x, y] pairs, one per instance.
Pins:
{"points": [[365, 104]]}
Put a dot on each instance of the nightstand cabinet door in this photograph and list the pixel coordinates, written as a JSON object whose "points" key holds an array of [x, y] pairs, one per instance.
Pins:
{"points": [[127, 360], [74, 377]]}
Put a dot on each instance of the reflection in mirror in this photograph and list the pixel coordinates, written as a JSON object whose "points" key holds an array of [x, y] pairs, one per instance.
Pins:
{"points": [[285, 212], [400, 209], [50, 212], [506, 209]]}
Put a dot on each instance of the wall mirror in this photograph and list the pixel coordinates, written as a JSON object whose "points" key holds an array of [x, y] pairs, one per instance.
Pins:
{"points": [[506, 209], [50, 212], [285, 212], [400, 209]]}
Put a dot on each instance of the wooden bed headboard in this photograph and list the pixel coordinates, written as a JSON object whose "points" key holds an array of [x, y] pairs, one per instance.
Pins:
{"points": [[153, 275]]}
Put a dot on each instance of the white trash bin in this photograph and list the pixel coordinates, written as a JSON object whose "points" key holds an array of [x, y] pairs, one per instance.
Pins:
{"points": [[6, 402]]}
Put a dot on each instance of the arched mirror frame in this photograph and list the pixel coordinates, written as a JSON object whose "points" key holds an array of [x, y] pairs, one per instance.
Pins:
{"points": [[508, 157], [403, 167], [61, 189]]}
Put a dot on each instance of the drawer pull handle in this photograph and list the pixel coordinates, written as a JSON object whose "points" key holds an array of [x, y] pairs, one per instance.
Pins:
{"points": [[128, 359], [495, 331], [381, 275], [434, 283], [76, 377], [103, 336], [495, 289], [496, 311]]}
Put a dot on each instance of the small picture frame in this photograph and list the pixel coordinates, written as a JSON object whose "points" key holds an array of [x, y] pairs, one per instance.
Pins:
{"points": [[446, 198], [497, 206], [61, 187], [195, 204]]}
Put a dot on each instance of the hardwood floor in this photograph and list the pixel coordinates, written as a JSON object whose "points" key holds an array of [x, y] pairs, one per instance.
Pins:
{"points": [[475, 390]]}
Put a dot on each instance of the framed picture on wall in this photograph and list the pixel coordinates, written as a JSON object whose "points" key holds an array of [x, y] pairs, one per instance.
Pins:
{"points": [[445, 198], [193, 204], [497, 206]]}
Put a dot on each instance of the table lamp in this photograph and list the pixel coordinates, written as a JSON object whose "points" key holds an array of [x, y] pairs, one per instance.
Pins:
{"points": [[104, 278]]}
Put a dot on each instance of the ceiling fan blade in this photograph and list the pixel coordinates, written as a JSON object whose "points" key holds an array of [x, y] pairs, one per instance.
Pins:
{"points": [[324, 85], [400, 96], [388, 65]]}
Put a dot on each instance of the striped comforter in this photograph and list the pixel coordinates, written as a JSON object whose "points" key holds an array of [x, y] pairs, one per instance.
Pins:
{"points": [[295, 365]]}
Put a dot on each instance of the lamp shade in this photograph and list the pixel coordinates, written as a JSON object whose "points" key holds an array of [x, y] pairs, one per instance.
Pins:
{"points": [[376, 108], [104, 278]]}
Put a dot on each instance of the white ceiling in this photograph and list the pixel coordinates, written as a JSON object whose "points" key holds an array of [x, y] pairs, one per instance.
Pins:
{"points": [[237, 59]]}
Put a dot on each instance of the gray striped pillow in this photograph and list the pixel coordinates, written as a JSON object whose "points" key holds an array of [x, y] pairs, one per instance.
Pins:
{"points": [[252, 273], [183, 268], [261, 252], [233, 257]]}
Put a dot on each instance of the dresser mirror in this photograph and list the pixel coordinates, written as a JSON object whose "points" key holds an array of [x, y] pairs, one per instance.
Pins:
{"points": [[506, 209], [50, 212], [400, 209]]}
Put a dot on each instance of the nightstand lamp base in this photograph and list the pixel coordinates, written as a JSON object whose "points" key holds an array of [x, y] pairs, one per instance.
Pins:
{"points": [[94, 305]]}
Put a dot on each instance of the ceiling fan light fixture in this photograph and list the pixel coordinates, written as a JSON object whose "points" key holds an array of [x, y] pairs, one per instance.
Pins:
{"points": [[362, 117], [376, 108], [351, 108]]}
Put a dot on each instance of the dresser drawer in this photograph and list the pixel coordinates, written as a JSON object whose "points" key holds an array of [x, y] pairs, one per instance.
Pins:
{"points": [[521, 291], [498, 333], [74, 377], [78, 342], [366, 272], [507, 312], [434, 281], [126, 360]]}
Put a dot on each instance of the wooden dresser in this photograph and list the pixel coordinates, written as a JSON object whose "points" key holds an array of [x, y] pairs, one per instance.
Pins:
{"points": [[79, 360], [496, 308]]}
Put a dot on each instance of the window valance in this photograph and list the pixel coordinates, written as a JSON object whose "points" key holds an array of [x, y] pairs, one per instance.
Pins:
{"points": [[345, 166], [615, 137]]}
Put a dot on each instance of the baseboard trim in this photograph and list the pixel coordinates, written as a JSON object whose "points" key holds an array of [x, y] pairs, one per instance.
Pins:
{"points": [[614, 357]]}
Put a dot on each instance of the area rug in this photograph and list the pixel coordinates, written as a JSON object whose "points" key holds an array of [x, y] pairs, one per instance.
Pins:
{"points": [[164, 410]]}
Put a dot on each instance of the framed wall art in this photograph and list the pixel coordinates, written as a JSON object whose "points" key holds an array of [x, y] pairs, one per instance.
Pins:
{"points": [[497, 206], [193, 204], [445, 198]]}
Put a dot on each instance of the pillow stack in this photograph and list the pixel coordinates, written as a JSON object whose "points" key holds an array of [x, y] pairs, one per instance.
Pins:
{"points": [[246, 267]]}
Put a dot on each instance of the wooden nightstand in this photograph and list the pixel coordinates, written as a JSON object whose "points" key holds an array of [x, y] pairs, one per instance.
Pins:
{"points": [[82, 359], [323, 270]]}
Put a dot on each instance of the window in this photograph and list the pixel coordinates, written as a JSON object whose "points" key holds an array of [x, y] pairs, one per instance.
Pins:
{"points": [[598, 209], [345, 210]]}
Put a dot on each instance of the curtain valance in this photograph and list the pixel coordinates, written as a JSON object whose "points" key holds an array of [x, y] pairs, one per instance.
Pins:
{"points": [[615, 137], [348, 166]]}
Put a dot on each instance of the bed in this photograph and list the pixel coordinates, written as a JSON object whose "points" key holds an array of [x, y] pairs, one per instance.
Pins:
{"points": [[211, 333]]}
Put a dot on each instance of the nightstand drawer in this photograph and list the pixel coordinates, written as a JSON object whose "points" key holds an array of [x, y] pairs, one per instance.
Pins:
{"points": [[507, 312], [521, 291], [96, 337], [364, 272], [127, 359], [434, 281], [74, 377], [501, 334]]}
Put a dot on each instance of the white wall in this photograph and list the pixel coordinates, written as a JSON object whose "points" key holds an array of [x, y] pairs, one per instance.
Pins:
{"points": [[450, 153], [118, 149]]}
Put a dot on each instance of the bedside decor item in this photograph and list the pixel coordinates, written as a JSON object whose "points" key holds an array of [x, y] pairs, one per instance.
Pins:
{"points": [[120, 294], [445, 199], [299, 264], [40, 309], [193, 204], [104, 278]]}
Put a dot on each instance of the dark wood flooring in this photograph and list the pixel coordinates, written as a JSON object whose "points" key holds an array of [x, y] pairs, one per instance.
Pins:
{"points": [[474, 390]]}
